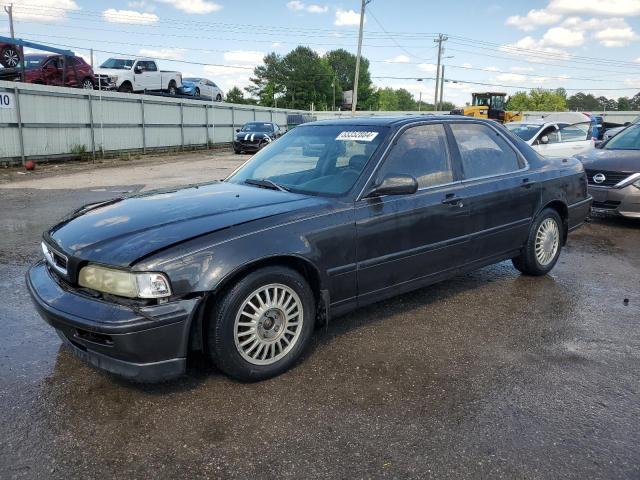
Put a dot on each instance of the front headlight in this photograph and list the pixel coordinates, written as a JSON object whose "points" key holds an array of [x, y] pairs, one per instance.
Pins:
{"points": [[114, 79], [124, 284]]}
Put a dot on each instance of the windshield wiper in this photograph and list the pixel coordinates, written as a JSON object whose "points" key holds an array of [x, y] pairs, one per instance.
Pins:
{"points": [[266, 183]]}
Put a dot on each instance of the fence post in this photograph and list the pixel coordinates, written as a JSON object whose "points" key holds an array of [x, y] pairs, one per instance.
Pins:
{"points": [[181, 126], [144, 127], [93, 136], [206, 128], [254, 114], [16, 93], [233, 123]]}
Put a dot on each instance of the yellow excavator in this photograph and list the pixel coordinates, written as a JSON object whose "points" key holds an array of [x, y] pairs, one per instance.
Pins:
{"points": [[489, 105]]}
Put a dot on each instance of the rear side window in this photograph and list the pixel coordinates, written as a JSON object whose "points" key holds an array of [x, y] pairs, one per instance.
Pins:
{"points": [[483, 151], [422, 153]]}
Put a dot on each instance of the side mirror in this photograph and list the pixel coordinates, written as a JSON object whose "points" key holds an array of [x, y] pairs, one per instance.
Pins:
{"points": [[544, 139], [395, 184], [137, 70], [237, 130], [599, 144]]}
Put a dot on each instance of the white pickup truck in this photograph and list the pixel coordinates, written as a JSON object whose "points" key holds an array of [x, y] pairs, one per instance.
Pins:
{"points": [[136, 75]]}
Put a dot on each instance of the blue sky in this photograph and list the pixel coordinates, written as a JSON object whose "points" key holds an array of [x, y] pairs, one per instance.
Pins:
{"points": [[591, 46]]}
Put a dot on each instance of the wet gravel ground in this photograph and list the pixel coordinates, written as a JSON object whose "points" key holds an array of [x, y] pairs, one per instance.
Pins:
{"points": [[487, 375]]}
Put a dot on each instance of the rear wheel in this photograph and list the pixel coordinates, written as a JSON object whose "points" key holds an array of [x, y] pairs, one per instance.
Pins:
{"points": [[197, 92], [543, 246], [10, 57], [262, 324], [219, 98]]}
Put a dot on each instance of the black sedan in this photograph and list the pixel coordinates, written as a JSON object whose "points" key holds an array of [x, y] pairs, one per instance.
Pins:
{"points": [[333, 216], [254, 136]]}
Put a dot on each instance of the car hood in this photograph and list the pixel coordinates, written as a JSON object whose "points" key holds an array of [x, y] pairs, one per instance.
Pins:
{"points": [[122, 231], [251, 136], [110, 71], [187, 83], [611, 160]]}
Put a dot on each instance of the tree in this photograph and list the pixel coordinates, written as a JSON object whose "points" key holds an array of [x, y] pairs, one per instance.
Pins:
{"points": [[267, 80], [538, 100], [624, 104], [406, 101], [234, 95], [583, 102], [343, 64]]}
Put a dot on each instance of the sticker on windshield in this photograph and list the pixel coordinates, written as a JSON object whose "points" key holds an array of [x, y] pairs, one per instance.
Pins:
{"points": [[357, 136]]}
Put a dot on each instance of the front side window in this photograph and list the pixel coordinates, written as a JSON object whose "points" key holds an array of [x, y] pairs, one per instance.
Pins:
{"points": [[483, 151], [422, 153], [525, 131], [628, 139], [118, 63], [575, 133], [324, 160]]}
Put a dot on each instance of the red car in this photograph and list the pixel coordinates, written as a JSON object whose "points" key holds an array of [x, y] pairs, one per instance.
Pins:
{"points": [[48, 70]]}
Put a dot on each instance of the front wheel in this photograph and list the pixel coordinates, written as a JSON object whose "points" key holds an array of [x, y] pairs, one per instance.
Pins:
{"points": [[543, 246], [197, 92], [10, 57], [219, 98], [262, 324], [172, 88], [87, 84]]}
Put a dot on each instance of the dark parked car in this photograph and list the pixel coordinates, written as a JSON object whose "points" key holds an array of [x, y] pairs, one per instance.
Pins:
{"points": [[254, 136], [613, 172], [244, 269], [48, 70]]}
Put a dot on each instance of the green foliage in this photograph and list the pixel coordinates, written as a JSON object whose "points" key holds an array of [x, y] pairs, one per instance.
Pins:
{"points": [[538, 100], [79, 150], [343, 65], [235, 95]]}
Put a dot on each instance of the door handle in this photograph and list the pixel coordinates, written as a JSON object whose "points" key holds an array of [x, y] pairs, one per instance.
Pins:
{"points": [[526, 183], [452, 199]]}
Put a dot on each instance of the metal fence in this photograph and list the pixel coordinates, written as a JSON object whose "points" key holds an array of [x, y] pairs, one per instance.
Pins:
{"points": [[38, 121]]}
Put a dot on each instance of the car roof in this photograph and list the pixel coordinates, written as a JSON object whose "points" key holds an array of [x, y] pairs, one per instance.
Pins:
{"points": [[388, 121]]}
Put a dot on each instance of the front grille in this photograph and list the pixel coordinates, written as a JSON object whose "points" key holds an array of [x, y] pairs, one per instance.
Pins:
{"points": [[608, 205], [54, 258], [611, 178]]}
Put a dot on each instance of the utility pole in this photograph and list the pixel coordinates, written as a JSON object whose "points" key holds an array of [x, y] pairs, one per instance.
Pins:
{"points": [[91, 54], [9, 10], [441, 86], [441, 38], [354, 97]]}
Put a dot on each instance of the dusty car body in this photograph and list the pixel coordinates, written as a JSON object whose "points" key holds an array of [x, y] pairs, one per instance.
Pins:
{"points": [[244, 268], [613, 172]]}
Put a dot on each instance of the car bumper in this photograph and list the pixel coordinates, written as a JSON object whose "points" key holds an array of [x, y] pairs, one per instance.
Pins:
{"points": [[578, 212], [623, 202], [246, 146], [146, 344]]}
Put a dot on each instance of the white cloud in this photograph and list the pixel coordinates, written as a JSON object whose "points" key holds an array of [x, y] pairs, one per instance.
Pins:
{"points": [[534, 50], [490, 69], [298, 6], [347, 17], [398, 59], [129, 16], [533, 19], [49, 11], [141, 5], [632, 82], [510, 78], [164, 53], [616, 37], [522, 69], [467, 65], [198, 7], [244, 56], [227, 77], [599, 7], [563, 37], [427, 67], [276, 45]]}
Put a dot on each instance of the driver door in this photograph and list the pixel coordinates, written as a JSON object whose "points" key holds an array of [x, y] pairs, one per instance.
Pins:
{"points": [[569, 140], [404, 241]]}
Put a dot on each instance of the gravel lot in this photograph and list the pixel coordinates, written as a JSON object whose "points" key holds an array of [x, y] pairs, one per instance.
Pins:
{"points": [[487, 375]]}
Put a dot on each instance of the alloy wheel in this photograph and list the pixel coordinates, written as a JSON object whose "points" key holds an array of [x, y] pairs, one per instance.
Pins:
{"points": [[547, 241], [268, 324]]}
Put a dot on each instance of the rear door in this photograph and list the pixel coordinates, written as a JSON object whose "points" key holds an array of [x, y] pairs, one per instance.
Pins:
{"points": [[406, 240], [499, 189]]}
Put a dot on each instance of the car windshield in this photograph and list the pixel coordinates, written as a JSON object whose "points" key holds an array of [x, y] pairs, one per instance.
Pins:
{"points": [[324, 160], [194, 80], [525, 131], [628, 139], [33, 61], [257, 127], [118, 64]]}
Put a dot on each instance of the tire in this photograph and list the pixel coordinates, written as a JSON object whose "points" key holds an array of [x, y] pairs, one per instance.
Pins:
{"points": [[172, 88], [87, 84], [237, 152], [267, 333], [219, 98], [544, 243], [125, 88], [9, 57], [197, 92]]}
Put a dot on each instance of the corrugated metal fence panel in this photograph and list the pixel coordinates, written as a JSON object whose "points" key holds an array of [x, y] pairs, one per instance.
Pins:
{"points": [[9, 138]]}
